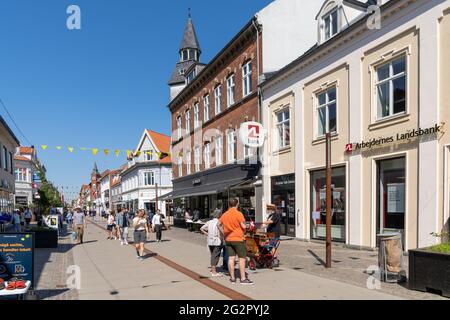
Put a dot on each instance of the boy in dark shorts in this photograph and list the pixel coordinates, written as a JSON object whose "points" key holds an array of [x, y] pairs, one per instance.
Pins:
{"points": [[233, 223]]}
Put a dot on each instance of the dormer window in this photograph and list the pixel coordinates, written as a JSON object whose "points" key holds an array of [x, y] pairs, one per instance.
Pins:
{"points": [[181, 72], [191, 76], [331, 24]]}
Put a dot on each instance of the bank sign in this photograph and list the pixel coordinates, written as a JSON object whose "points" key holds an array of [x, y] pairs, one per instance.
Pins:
{"points": [[399, 137], [252, 134]]}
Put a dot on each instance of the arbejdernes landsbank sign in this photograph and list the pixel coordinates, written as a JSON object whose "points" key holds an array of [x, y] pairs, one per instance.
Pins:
{"points": [[399, 137]]}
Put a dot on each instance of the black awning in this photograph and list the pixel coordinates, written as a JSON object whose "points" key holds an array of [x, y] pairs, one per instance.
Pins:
{"points": [[207, 189]]}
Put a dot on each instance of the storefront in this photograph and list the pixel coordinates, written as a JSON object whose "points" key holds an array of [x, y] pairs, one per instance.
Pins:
{"points": [[283, 196], [318, 204], [204, 192]]}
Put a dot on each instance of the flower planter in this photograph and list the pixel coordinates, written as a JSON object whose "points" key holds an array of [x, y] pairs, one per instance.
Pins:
{"points": [[429, 271], [46, 239]]}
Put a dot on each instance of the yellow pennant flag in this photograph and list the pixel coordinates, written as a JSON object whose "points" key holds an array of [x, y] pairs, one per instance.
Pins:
{"points": [[44, 147], [128, 153], [138, 153], [149, 153], [117, 152], [70, 149], [159, 154], [94, 151], [58, 147], [106, 151]]}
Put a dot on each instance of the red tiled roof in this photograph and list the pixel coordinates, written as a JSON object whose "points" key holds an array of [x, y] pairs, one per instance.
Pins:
{"points": [[26, 150], [21, 158], [162, 142]]}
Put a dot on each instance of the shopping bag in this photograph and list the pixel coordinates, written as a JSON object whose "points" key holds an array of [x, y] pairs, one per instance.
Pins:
{"points": [[74, 235]]}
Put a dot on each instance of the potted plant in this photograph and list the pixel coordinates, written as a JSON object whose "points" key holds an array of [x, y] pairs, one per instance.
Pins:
{"points": [[45, 237], [429, 268]]}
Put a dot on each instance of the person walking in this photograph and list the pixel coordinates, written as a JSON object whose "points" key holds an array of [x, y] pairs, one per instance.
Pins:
{"points": [[273, 222], [140, 233], [69, 219], [215, 241], [234, 227], [28, 216], [157, 223], [111, 226], [123, 224], [16, 221], [79, 225]]}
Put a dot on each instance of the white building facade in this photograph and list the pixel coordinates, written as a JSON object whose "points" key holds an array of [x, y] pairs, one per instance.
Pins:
{"points": [[149, 174], [380, 93]]}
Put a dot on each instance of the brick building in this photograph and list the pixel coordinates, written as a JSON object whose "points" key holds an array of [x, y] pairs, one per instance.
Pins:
{"points": [[209, 162]]}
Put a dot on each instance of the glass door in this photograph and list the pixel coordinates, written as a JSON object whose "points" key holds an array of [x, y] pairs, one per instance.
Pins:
{"points": [[391, 199]]}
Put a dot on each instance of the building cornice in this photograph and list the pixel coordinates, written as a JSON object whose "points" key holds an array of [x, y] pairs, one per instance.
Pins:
{"points": [[357, 29]]}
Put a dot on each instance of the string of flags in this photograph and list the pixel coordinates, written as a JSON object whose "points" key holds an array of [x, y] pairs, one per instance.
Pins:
{"points": [[107, 152]]}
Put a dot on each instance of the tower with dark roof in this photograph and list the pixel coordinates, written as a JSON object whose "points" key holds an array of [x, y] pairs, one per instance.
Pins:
{"points": [[189, 62]]}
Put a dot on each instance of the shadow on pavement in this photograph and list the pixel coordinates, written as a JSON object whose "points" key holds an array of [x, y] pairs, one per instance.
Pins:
{"points": [[46, 294], [317, 258]]}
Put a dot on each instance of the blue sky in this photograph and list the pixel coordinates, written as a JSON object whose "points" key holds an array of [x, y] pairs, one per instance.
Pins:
{"points": [[102, 85]]}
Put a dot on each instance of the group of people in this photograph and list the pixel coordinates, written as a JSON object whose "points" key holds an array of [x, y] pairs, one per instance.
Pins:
{"points": [[226, 232], [21, 220], [142, 223]]}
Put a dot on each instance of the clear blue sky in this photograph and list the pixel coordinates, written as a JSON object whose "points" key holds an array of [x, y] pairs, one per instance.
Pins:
{"points": [[102, 85]]}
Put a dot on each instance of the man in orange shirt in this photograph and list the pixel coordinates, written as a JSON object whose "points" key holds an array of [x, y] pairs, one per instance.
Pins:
{"points": [[233, 223]]}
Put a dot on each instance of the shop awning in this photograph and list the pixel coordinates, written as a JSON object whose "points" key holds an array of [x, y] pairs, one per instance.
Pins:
{"points": [[207, 189]]}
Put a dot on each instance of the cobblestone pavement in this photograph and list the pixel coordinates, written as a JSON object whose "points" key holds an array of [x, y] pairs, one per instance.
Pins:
{"points": [[349, 265], [50, 267]]}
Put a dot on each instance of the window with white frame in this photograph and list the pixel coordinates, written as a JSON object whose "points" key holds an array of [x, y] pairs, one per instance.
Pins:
{"points": [[218, 151], [326, 112], [390, 86], [247, 78], [330, 24], [196, 115], [188, 121], [206, 108], [179, 132], [230, 146], [188, 162], [180, 166], [21, 174], [218, 99], [282, 125], [197, 158], [149, 178], [230, 90], [207, 155]]}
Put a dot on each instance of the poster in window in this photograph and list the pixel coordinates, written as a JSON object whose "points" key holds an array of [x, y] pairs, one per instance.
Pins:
{"points": [[396, 198]]}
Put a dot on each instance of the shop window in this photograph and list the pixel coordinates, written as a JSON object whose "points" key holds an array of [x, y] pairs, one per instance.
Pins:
{"points": [[318, 204], [390, 88], [391, 195]]}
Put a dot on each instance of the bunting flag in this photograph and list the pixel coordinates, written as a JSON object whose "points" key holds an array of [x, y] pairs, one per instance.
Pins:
{"points": [[58, 147], [83, 149], [150, 153], [70, 149], [117, 152], [94, 151], [106, 151], [44, 147], [128, 154], [138, 153]]}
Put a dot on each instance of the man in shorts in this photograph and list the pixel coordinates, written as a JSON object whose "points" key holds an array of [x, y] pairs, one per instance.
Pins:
{"points": [[233, 223]]}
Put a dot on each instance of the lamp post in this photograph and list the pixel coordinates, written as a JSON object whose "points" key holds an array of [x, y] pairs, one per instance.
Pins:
{"points": [[329, 202]]}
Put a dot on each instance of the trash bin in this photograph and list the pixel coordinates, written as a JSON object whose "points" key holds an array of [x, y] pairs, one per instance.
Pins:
{"points": [[390, 257]]}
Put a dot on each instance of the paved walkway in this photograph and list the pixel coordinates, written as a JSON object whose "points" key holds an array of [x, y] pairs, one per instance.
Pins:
{"points": [[110, 271], [178, 269]]}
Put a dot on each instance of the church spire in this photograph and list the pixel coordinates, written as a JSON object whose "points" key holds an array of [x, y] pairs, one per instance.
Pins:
{"points": [[190, 46]]}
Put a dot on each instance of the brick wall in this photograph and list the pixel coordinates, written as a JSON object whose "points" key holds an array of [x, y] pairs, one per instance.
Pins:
{"points": [[244, 109]]}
